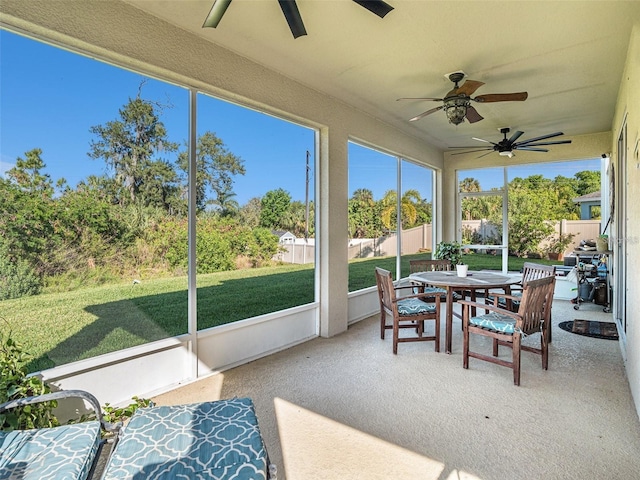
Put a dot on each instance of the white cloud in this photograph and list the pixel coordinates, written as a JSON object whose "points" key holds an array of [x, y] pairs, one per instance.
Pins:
{"points": [[5, 167]]}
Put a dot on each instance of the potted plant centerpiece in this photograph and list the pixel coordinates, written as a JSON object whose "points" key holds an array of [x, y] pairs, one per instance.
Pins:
{"points": [[452, 251]]}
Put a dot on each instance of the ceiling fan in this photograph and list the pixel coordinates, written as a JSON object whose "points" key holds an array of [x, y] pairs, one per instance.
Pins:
{"points": [[506, 146], [457, 103], [291, 13]]}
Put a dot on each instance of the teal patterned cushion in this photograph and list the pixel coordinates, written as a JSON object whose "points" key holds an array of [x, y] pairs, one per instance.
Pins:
{"points": [[65, 452], [495, 321], [211, 440], [442, 291], [414, 306]]}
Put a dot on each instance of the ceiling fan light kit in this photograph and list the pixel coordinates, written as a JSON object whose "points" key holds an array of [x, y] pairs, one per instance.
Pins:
{"points": [[506, 146], [457, 103]]}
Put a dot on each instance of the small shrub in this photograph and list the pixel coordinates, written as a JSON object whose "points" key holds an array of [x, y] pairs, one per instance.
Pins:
{"points": [[115, 415], [17, 277], [450, 251], [121, 414], [15, 383]]}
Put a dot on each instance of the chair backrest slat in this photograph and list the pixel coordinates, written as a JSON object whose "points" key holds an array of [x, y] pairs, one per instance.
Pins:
{"points": [[385, 289], [533, 271], [535, 306]]}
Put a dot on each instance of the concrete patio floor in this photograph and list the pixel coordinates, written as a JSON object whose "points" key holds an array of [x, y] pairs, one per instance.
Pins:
{"points": [[347, 408]]}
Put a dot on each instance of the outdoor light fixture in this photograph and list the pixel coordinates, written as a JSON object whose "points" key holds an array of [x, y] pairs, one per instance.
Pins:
{"points": [[456, 109], [508, 153]]}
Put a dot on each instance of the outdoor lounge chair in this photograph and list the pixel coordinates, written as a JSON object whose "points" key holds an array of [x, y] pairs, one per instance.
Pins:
{"points": [[67, 451], [208, 440]]}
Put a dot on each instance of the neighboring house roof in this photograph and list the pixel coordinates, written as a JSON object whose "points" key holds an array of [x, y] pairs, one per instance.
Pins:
{"points": [[282, 233], [589, 197]]}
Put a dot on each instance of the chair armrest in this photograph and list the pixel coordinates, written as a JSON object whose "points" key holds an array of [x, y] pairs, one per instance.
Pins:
{"points": [[403, 287], [62, 394], [430, 295], [506, 296]]}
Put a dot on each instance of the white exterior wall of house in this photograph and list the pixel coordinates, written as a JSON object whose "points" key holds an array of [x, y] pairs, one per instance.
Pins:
{"points": [[628, 111], [120, 33]]}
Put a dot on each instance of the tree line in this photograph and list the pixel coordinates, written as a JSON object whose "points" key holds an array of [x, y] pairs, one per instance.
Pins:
{"points": [[132, 220], [533, 203]]}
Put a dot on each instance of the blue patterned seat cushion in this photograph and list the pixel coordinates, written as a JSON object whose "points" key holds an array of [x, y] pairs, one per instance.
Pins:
{"points": [[65, 452], [211, 440], [414, 306], [495, 321], [441, 291]]}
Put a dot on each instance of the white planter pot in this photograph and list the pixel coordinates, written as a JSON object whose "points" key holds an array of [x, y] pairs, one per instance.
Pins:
{"points": [[462, 270]]}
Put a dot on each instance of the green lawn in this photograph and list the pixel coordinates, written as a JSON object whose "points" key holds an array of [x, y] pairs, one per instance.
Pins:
{"points": [[59, 328]]}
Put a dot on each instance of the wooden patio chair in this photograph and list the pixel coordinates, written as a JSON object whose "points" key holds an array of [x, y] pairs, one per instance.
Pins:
{"points": [[407, 311], [530, 271], [508, 328]]}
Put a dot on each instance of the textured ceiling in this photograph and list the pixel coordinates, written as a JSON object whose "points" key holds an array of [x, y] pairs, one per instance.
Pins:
{"points": [[569, 57]]}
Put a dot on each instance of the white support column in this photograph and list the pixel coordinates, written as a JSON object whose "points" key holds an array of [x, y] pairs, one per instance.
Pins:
{"points": [[332, 271], [398, 218]]}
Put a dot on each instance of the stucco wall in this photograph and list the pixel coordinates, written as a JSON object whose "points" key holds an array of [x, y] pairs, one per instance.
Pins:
{"points": [[628, 107]]}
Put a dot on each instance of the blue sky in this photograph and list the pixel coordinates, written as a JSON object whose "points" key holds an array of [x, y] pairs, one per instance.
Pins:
{"points": [[50, 98]]}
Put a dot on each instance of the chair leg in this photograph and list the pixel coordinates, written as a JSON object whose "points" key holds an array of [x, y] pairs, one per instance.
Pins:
{"points": [[437, 333], [495, 347], [383, 322], [544, 346], [396, 333], [465, 337], [516, 359]]}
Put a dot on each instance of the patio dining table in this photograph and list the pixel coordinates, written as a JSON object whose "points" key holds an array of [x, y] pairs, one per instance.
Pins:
{"points": [[472, 282]]}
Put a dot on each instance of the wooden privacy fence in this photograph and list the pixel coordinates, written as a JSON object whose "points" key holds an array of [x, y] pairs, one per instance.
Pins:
{"points": [[419, 238]]}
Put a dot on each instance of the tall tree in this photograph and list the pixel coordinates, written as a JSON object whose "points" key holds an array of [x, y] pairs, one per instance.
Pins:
{"points": [[588, 181], [131, 147], [226, 204], [27, 174], [250, 212], [215, 167], [27, 219], [473, 208], [408, 209], [364, 216], [275, 206]]}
